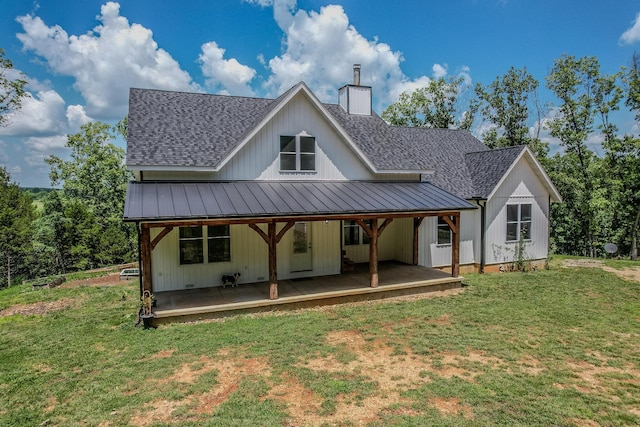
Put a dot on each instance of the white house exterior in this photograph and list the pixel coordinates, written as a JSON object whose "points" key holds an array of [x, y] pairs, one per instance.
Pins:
{"points": [[291, 187]]}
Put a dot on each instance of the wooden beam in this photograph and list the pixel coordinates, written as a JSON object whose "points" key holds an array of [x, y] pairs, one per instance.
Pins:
{"points": [[260, 232], [272, 239], [145, 257], [455, 246], [373, 253], [364, 227], [452, 224], [416, 226], [282, 232], [160, 236], [273, 262], [309, 218], [386, 222]]}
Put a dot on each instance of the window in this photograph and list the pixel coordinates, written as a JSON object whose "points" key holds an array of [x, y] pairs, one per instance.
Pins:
{"points": [[219, 240], [519, 222], [352, 234], [444, 232], [297, 153], [191, 245]]}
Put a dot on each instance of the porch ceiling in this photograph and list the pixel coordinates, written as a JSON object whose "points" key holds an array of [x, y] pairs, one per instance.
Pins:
{"points": [[156, 201]]}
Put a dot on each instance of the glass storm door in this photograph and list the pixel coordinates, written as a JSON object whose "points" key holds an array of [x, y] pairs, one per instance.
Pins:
{"points": [[301, 255]]}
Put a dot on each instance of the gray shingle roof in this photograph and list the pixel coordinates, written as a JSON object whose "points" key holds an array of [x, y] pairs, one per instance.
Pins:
{"points": [[245, 199], [201, 130], [487, 168], [187, 129]]}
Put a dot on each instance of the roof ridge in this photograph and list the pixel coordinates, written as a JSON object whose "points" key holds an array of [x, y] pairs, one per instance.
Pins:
{"points": [[201, 93]]}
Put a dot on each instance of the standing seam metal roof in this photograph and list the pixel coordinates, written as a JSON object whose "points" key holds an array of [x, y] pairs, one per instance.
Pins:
{"points": [[151, 201]]}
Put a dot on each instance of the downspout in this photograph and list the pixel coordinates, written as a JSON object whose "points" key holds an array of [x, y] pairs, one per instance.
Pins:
{"points": [[483, 219], [140, 249], [139, 258]]}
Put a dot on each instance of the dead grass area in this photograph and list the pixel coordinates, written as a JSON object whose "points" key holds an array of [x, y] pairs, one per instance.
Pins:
{"points": [[376, 360], [393, 374], [39, 308], [631, 274]]}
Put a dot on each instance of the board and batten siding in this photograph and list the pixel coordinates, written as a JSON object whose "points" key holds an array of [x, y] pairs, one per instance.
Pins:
{"points": [[259, 159], [395, 243], [520, 186], [249, 257], [432, 254]]}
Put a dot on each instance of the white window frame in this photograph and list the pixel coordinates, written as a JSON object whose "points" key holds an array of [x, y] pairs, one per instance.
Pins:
{"points": [[299, 154], [519, 222]]}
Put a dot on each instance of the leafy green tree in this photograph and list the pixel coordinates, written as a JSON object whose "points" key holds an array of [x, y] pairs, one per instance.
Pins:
{"points": [[16, 215], [94, 182], [509, 103], [11, 89], [437, 105], [584, 95]]}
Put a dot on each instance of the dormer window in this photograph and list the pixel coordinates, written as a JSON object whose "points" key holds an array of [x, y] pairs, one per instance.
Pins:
{"points": [[298, 153]]}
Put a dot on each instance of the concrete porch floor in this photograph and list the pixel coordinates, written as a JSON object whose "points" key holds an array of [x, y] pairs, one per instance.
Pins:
{"points": [[395, 279]]}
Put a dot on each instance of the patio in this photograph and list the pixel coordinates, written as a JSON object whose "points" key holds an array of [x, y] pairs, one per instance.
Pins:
{"points": [[396, 279]]}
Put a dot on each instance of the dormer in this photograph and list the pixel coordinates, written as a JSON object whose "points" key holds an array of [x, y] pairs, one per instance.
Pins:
{"points": [[354, 98]]}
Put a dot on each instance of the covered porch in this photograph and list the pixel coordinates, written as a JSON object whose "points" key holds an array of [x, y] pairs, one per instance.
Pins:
{"points": [[396, 279], [270, 210]]}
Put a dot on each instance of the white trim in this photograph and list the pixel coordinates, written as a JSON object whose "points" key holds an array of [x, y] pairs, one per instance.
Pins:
{"points": [[538, 169]]}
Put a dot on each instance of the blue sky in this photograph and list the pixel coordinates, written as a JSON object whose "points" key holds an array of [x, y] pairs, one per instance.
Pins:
{"points": [[81, 57]]}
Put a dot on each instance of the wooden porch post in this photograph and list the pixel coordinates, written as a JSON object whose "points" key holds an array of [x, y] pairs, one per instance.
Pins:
{"points": [[373, 253], [273, 262], [416, 225], [145, 255], [272, 238], [454, 224]]}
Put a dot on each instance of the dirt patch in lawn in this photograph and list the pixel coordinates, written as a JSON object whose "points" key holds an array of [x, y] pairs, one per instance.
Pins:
{"points": [[112, 279], [39, 308], [631, 274]]}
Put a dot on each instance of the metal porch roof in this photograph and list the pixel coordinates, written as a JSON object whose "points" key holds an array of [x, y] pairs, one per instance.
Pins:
{"points": [[154, 201]]}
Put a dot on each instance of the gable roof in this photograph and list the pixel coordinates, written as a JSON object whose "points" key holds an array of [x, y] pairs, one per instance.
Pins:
{"points": [[187, 131], [487, 168]]}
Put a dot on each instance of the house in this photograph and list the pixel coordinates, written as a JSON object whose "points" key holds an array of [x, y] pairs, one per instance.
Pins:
{"points": [[269, 190]]}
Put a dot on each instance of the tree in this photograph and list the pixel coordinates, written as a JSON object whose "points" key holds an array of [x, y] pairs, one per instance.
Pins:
{"points": [[622, 156], [94, 183], [16, 215], [437, 105], [584, 95], [508, 104], [11, 89]]}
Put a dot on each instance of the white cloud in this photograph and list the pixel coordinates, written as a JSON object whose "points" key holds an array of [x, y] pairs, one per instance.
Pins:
{"points": [[439, 70], [226, 75], [42, 114], [320, 48], [106, 61], [76, 116], [45, 144], [632, 34]]}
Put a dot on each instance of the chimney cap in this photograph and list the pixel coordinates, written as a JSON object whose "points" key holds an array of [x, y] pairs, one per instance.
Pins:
{"points": [[356, 74]]}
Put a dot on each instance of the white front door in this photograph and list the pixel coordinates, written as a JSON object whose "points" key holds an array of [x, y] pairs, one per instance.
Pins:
{"points": [[301, 251]]}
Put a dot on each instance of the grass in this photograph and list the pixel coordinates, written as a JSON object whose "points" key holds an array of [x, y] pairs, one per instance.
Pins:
{"points": [[556, 347]]}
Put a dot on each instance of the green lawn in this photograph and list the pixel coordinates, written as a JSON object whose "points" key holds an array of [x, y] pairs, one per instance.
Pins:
{"points": [[556, 347]]}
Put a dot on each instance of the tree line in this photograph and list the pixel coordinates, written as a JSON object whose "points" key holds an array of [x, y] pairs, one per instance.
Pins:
{"points": [[601, 193], [78, 225]]}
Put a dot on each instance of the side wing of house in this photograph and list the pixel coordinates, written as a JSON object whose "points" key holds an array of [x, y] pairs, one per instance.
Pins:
{"points": [[517, 215]]}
